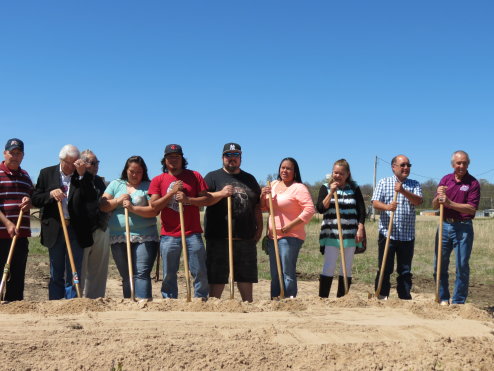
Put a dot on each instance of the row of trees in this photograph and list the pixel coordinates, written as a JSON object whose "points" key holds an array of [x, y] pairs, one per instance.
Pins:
{"points": [[429, 188]]}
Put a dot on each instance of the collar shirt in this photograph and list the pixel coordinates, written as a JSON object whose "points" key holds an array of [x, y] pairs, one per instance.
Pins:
{"points": [[404, 216], [466, 191], [14, 186], [65, 181]]}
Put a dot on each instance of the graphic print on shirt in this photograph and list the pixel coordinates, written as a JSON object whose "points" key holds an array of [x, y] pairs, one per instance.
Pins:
{"points": [[240, 199], [173, 204]]}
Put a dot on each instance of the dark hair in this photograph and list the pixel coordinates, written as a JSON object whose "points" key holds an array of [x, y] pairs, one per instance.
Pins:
{"points": [[139, 161], [296, 176], [165, 170]]}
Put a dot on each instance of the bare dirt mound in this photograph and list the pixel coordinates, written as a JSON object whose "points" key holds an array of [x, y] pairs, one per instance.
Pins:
{"points": [[353, 332]]}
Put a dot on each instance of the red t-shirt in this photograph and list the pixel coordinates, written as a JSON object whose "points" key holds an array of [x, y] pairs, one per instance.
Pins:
{"points": [[193, 184]]}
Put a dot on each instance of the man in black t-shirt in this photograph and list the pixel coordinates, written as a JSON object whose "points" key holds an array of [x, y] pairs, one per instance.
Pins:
{"points": [[230, 180]]}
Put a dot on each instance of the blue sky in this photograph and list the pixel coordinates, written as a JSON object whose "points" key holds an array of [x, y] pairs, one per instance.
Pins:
{"points": [[314, 80]]}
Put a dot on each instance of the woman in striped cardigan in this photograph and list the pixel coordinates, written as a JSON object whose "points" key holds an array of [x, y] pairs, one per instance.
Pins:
{"points": [[352, 213]]}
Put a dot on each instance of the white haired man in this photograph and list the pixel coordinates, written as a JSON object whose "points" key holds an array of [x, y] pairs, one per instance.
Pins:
{"points": [[95, 262], [69, 183], [459, 192]]}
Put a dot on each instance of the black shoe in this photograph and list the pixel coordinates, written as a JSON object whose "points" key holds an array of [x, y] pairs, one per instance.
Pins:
{"points": [[341, 286], [324, 285]]}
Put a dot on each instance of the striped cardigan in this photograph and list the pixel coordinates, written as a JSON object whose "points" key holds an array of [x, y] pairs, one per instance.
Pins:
{"points": [[352, 212]]}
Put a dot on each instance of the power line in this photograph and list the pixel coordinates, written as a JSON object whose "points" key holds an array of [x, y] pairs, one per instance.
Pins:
{"points": [[411, 172]]}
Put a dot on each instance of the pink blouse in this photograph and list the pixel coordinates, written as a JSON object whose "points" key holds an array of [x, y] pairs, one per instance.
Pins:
{"points": [[294, 202]]}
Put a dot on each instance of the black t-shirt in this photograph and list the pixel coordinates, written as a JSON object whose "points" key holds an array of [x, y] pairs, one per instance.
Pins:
{"points": [[244, 200]]}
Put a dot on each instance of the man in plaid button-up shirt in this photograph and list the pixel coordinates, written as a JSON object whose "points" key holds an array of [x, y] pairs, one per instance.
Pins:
{"points": [[402, 237]]}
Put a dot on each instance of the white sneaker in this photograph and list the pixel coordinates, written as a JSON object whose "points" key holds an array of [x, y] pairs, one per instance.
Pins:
{"points": [[382, 297], [444, 302]]}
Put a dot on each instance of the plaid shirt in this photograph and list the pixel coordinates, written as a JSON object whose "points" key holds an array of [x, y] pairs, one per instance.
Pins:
{"points": [[404, 218]]}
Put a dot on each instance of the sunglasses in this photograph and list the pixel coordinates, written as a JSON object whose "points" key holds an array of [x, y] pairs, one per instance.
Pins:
{"points": [[231, 154], [93, 163], [405, 165]]}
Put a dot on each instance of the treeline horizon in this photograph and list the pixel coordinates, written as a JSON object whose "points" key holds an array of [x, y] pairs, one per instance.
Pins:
{"points": [[429, 188]]}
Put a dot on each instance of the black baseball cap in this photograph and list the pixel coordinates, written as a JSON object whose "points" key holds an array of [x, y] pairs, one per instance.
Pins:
{"points": [[232, 147], [13, 144], [173, 148]]}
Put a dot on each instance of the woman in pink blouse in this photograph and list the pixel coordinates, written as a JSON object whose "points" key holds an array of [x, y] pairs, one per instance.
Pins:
{"points": [[293, 208]]}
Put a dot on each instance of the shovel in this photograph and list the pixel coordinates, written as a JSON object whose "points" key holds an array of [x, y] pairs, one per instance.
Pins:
{"points": [[75, 277], [6, 269], [230, 247], [276, 249], [386, 249], [184, 250], [129, 255], [439, 251], [342, 249]]}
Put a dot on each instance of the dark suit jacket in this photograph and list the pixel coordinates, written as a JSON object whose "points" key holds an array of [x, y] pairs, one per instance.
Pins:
{"points": [[81, 193]]}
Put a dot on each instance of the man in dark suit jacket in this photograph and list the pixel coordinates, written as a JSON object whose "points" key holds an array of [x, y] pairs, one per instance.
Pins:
{"points": [[69, 183]]}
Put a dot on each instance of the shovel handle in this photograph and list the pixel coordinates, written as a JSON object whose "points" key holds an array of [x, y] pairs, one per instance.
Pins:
{"points": [[75, 276], [340, 235], [276, 248], [129, 255], [439, 250], [230, 247], [386, 249], [6, 269], [184, 251]]}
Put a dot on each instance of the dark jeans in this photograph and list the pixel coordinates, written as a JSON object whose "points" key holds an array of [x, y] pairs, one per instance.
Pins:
{"points": [[404, 255], [15, 284], [61, 283]]}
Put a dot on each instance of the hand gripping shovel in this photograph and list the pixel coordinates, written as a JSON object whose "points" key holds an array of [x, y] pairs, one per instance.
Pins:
{"points": [[230, 247], [276, 249], [6, 269], [342, 249], [75, 277], [439, 251], [129, 255], [184, 250], [385, 255]]}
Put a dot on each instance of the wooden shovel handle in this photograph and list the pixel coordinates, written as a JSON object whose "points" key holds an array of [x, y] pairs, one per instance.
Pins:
{"points": [[386, 249], [75, 276], [276, 248], [342, 249], [6, 269]]}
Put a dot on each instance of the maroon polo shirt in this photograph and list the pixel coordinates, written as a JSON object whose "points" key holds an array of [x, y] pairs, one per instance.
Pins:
{"points": [[14, 185], [466, 191]]}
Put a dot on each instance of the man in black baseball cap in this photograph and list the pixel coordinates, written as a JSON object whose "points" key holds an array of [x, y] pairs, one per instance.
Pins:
{"points": [[242, 187], [13, 144]]}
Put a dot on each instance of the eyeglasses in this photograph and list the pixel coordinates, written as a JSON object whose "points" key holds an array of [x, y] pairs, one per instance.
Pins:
{"points": [[93, 163], [405, 165], [231, 154]]}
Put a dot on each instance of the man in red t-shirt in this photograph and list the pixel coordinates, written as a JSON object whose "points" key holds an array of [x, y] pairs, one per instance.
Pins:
{"points": [[177, 184]]}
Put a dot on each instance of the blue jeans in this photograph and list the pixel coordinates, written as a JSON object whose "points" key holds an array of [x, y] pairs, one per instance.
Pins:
{"points": [[171, 248], [404, 255], [143, 256], [61, 285], [458, 237], [289, 247]]}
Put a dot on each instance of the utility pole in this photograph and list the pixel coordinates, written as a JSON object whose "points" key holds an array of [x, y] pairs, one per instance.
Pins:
{"points": [[374, 188]]}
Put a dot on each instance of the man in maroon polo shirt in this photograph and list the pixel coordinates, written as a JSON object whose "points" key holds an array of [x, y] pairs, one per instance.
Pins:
{"points": [[459, 192], [16, 189]]}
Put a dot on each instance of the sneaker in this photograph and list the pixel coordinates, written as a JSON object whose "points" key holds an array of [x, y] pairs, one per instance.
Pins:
{"points": [[382, 297], [444, 302]]}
